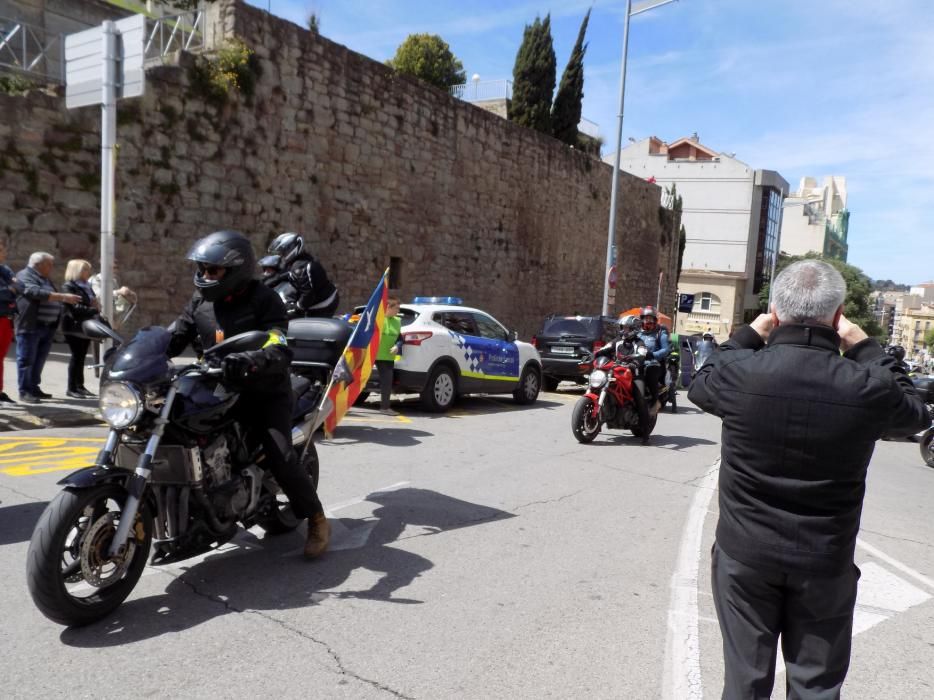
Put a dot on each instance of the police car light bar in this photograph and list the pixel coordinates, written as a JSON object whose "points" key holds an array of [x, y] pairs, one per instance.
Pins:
{"points": [[454, 301]]}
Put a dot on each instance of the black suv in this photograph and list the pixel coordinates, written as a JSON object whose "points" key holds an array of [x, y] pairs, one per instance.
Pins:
{"points": [[565, 344]]}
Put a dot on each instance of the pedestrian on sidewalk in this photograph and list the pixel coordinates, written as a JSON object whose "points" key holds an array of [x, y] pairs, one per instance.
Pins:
{"points": [[8, 289], [77, 273], [800, 422], [390, 345], [39, 307]]}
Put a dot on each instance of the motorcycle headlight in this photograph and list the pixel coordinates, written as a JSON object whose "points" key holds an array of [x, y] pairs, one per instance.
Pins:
{"points": [[597, 378], [120, 404]]}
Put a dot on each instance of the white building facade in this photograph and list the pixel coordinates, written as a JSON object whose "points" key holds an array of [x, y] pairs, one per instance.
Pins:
{"points": [[732, 218], [816, 219]]}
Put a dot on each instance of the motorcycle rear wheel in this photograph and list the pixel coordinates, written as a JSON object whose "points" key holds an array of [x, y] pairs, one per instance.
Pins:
{"points": [[584, 426], [638, 431], [283, 519], [69, 545], [927, 447]]}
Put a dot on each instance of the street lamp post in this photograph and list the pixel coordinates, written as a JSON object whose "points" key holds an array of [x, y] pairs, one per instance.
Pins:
{"points": [[614, 187]]}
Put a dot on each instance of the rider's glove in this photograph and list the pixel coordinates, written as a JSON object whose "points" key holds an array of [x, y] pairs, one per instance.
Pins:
{"points": [[239, 366]]}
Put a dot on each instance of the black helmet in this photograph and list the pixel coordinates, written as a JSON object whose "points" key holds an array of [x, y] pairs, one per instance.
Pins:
{"points": [[270, 262], [896, 351], [287, 246], [230, 250], [629, 326]]}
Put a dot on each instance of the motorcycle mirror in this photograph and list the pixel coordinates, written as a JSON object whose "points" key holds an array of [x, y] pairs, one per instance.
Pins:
{"points": [[98, 330]]}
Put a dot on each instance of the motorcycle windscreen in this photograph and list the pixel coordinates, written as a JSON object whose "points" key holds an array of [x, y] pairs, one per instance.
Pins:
{"points": [[143, 360]]}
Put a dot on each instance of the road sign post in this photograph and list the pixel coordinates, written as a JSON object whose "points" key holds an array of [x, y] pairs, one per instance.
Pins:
{"points": [[102, 65]]}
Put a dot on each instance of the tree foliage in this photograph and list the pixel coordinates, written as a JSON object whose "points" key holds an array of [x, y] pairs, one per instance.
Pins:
{"points": [[857, 306], [428, 57], [566, 113], [533, 77]]}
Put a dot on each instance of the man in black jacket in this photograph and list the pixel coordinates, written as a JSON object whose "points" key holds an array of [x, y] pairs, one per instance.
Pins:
{"points": [[228, 301], [800, 422], [312, 293]]}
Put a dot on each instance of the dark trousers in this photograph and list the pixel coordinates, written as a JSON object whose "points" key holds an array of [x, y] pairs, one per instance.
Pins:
{"points": [[653, 379], [6, 337], [32, 350], [385, 368], [270, 416], [813, 615], [79, 351]]}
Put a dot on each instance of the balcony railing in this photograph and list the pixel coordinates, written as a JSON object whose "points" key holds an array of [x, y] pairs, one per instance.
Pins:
{"points": [[166, 35], [28, 50], [480, 90]]}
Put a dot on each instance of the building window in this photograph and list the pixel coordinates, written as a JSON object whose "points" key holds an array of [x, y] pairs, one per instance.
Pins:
{"points": [[709, 302], [767, 249], [395, 273]]}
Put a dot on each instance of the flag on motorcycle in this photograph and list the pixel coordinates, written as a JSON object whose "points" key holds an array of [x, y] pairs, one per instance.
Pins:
{"points": [[353, 369]]}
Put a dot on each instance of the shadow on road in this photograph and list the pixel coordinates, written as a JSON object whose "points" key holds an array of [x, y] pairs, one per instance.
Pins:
{"points": [[277, 578], [390, 437], [667, 442], [17, 522]]}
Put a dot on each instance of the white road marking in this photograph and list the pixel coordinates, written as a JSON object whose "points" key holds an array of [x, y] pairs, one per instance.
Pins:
{"points": [[894, 563], [682, 679]]}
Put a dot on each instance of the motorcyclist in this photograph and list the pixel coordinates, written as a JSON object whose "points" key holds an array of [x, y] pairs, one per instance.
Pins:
{"points": [[229, 301], [704, 350], [655, 338], [314, 294], [897, 352], [271, 266]]}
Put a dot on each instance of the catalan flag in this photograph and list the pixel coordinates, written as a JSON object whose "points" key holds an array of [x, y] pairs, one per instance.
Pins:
{"points": [[353, 369]]}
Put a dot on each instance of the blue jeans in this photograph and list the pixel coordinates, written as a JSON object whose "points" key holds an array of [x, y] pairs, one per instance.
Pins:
{"points": [[32, 349]]}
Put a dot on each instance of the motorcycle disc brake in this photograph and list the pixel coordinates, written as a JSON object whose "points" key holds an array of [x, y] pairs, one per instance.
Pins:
{"points": [[98, 568]]}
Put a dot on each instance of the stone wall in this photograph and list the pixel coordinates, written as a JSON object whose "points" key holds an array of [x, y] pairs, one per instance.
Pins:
{"points": [[368, 165]]}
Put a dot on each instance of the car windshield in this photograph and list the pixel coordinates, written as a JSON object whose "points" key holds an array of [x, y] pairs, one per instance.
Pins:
{"points": [[583, 326]]}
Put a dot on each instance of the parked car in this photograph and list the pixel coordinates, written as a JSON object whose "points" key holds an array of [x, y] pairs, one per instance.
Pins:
{"points": [[449, 350], [566, 344]]}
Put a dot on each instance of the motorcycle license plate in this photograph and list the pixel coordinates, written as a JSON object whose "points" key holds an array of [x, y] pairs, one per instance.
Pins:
{"points": [[562, 350]]}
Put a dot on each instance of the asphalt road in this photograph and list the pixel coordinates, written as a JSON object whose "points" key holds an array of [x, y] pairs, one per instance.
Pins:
{"points": [[479, 554]]}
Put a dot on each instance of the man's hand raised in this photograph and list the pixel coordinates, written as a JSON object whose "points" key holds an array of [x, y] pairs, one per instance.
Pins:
{"points": [[850, 334]]}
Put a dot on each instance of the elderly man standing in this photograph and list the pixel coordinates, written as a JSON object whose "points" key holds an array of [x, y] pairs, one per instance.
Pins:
{"points": [[800, 422], [39, 307]]}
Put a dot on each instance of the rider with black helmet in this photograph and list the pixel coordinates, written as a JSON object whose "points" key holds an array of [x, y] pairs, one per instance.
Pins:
{"points": [[313, 294], [229, 301]]}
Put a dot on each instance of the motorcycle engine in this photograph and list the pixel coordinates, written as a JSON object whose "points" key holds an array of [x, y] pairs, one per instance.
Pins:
{"points": [[228, 496]]}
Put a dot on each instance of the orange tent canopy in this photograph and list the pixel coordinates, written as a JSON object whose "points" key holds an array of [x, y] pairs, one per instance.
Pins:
{"points": [[663, 319]]}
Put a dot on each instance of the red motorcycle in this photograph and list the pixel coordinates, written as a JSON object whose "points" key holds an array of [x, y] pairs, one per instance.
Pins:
{"points": [[615, 395]]}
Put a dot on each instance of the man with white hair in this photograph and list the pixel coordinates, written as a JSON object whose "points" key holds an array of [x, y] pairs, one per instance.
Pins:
{"points": [[800, 421], [39, 306]]}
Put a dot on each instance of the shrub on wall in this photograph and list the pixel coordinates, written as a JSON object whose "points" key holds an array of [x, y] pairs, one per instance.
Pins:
{"points": [[233, 68]]}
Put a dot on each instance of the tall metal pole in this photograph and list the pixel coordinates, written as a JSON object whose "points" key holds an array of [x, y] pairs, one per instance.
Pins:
{"points": [[108, 140], [614, 187]]}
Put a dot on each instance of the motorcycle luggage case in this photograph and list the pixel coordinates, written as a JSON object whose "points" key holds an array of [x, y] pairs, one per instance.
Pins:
{"points": [[318, 339]]}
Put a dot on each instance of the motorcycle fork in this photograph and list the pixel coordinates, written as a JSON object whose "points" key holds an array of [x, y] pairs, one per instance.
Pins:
{"points": [[136, 484]]}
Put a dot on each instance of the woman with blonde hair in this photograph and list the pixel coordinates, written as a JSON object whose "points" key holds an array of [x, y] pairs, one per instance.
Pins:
{"points": [[77, 273]]}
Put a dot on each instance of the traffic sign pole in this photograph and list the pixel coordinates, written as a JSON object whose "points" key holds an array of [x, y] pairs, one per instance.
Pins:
{"points": [[109, 37]]}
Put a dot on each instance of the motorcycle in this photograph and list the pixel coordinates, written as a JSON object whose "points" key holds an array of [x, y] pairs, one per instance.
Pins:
{"points": [[672, 372], [177, 474], [925, 387], [615, 386]]}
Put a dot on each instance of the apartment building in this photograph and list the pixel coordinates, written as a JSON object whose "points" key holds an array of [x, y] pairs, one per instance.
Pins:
{"points": [[816, 219], [732, 216]]}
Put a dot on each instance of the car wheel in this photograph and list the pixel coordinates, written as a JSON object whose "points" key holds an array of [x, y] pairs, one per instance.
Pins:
{"points": [[550, 383], [440, 390], [529, 385]]}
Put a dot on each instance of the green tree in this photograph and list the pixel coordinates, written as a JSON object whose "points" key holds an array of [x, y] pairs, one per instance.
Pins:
{"points": [[857, 306], [314, 23], [533, 77], [428, 57], [929, 339], [566, 113]]}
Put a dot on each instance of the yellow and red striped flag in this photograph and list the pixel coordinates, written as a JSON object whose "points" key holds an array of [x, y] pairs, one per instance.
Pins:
{"points": [[353, 370]]}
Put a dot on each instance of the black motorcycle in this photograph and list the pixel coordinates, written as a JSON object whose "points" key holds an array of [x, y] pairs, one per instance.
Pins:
{"points": [[177, 475], [925, 389]]}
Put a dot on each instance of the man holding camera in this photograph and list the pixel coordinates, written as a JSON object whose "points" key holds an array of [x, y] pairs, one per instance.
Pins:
{"points": [[800, 422]]}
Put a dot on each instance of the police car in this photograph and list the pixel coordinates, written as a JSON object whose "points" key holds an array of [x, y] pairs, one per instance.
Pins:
{"points": [[449, 350]]}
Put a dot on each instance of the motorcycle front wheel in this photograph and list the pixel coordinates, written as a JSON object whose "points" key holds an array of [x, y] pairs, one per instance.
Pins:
{"points": [[584, 426], [927, 447], [71, 578]]}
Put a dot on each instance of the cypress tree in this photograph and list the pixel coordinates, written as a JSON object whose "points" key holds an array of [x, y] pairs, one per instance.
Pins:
{"points": [[566, 113], [533, 77]]}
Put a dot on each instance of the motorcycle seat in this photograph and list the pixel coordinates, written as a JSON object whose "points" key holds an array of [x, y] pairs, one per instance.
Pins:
{"points": [[299, 385]]}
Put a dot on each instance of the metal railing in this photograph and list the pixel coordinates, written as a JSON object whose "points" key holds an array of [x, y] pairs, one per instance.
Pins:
{"points": [[26, 49], [480, 90], [172, 33]]}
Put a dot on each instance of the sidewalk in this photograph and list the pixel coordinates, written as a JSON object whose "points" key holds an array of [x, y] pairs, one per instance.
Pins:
{"points": [[57, 412]]}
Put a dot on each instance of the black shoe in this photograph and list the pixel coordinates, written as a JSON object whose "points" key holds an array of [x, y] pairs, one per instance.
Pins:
{"points": [[42, 395], [87, 394], [28, 398], [75, 394], [4, 398]]}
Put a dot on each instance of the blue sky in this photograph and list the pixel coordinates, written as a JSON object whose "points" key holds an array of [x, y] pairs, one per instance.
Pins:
{"points": [[804, 87]]}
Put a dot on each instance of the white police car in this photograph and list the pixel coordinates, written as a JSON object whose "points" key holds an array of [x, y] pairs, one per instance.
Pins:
{"points": [[449, 350]]}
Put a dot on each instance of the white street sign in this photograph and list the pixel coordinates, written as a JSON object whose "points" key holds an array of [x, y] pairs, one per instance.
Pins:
{"points": [[84, 55]]}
